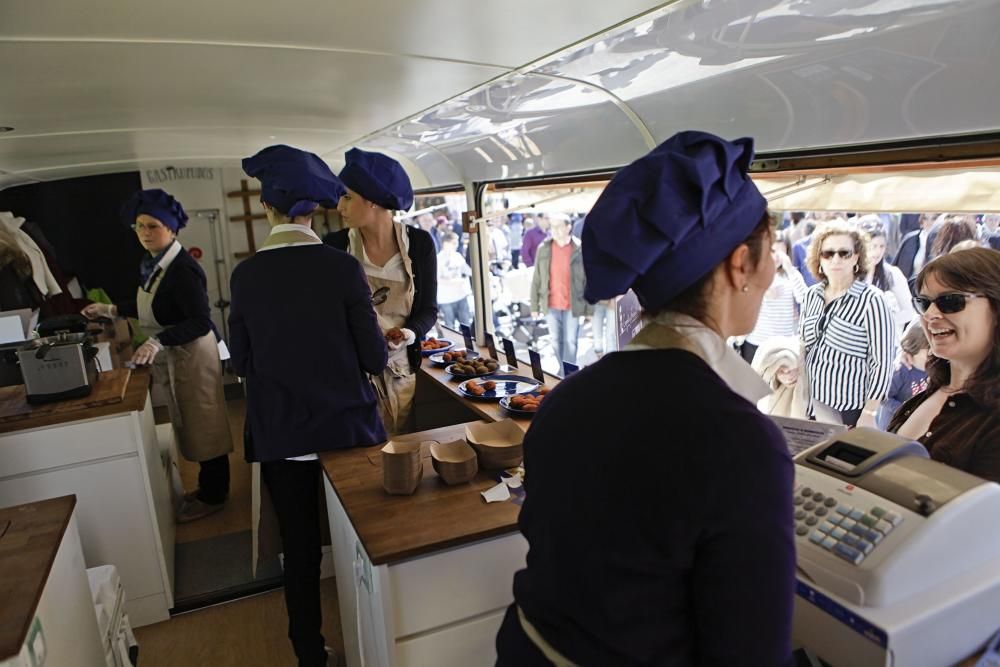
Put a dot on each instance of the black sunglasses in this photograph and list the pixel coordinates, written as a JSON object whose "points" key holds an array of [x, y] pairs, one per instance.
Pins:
{"points": [[829, 254], [946, 303]]}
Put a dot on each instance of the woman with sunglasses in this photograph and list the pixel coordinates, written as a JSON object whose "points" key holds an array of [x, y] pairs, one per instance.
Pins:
{"points": [[171, 305], [957, 418], [846, 326]]}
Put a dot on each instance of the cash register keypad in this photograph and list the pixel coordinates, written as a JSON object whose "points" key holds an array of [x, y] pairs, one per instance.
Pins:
{"points": [[851, 533]]}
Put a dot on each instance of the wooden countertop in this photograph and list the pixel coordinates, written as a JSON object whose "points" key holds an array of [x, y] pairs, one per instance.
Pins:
{"points": [[435, 517], [29, 539], [115, 392], [488, 410]]}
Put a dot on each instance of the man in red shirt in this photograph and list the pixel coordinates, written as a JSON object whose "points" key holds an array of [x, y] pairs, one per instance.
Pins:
{"points": [[557, 287]]}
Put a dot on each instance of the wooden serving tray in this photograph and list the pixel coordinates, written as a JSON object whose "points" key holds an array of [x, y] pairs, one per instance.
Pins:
{"points": [[109, 389]]}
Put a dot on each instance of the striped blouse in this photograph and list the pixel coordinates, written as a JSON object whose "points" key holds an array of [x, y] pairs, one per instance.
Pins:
{"points": [[849, 346], [777, 312]]}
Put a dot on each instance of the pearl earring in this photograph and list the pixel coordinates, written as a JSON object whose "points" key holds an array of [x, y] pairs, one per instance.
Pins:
{"points": [[745, 288]]}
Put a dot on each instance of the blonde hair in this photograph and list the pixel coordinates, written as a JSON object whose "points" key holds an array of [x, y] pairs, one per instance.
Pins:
{"points": [[11, 253], [838, 227], [968, 244]]}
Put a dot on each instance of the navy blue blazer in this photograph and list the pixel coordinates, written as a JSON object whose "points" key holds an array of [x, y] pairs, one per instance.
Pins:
{"points": [[423, 257], [660, 528], [303, 333], [180, 304]]}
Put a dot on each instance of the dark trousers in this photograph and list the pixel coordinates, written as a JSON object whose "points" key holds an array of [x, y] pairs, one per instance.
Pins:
{"points": [[213, 480], [515, 258], [294, 488], [851, 417]]}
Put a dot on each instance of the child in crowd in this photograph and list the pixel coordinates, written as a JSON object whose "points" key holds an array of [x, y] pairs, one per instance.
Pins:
{"points": [[910, 377], [778, 362]]}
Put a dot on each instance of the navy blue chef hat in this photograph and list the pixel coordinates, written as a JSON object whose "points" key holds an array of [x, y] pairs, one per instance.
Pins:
{"points": [[378, 178], [293, 181], [670, 217], [156, 203]]}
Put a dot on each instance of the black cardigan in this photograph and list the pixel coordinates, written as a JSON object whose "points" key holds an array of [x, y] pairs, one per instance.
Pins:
{"points": [[180, 304], [424, 313]]}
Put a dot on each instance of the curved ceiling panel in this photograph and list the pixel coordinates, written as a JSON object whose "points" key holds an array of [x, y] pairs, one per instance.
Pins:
{"points": [[527, 125], [427, 165], [800, 74], [508, 33]]}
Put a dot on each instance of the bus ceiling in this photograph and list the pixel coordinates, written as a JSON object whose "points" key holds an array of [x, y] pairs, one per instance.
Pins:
{"points": [[515, 90]]}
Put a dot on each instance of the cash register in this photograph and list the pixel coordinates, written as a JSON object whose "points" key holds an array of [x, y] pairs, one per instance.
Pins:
{"points": [[898, 556]]}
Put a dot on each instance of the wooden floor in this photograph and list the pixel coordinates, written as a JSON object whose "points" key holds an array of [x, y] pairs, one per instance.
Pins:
{"points": [[249, 632], [237, 515]]}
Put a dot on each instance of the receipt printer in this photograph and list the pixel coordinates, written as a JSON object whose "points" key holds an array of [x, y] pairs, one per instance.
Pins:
{"points": [[898, 556]]}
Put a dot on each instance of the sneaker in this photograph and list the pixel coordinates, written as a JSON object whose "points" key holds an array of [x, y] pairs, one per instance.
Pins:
{"points": [[192, 510], [190, 495]]}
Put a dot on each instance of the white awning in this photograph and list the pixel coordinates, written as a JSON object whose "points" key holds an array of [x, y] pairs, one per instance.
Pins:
{"points": [[966, 190]]}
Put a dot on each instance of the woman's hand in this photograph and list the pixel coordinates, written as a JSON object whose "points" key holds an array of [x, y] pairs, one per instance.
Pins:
{"points": [[146, 352], [95, 310], [397, 337]]}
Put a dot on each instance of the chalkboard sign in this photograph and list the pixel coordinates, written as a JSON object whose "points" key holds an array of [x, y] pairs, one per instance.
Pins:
{"points": [[536, 366], [491, 347], [467, 335], [508, 350]]}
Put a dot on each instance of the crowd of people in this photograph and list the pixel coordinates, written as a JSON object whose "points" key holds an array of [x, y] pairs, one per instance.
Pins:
{"points": [[838, 324]]}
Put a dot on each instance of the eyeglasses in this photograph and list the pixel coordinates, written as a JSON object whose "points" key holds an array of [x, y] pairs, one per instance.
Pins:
{"points": [[843, 252], [139, 227], [946, 303]]}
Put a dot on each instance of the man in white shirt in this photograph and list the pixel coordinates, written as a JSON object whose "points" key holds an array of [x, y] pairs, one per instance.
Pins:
{"points": [[454, 288]]}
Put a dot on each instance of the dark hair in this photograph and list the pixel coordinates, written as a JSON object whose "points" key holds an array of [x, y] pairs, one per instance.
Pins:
{"points": [[976, 271], [880, 277], [950, 233], [694, 300]]}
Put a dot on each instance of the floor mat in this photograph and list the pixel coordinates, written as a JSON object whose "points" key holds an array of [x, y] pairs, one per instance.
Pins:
{"points": [[216, 565]]}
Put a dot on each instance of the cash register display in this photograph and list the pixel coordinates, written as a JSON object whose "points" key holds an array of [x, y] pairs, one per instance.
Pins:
{"points": [[844, 457]]}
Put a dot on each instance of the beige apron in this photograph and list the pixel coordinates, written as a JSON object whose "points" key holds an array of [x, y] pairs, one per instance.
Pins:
{"points": [[191, 378], [396, 385]]}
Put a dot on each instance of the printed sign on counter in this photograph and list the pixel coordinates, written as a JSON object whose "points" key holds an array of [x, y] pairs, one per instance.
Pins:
{"points": [[467, 335], [536, 366], [509, 352], [491, 346]]}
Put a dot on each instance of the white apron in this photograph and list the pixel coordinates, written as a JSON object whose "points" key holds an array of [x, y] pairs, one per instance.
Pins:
{"points": [[396, 385], [191, 378]]}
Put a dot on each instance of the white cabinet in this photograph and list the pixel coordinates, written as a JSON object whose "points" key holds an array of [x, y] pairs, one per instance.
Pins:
{"points": [[113, 466], [439, 610]]}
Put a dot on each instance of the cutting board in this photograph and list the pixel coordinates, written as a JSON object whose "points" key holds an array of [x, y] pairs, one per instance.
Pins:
{"points": [[109, 388]]}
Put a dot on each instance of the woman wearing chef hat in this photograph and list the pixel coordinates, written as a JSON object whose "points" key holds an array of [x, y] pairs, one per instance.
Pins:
{"points": [[661, 532], [394, 256], [171, 305]]}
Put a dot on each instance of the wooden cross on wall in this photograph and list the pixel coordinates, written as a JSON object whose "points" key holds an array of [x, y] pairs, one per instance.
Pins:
{"points": [[247, 218]]}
